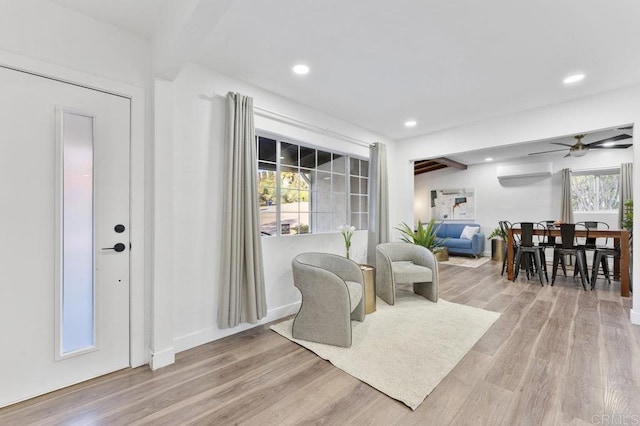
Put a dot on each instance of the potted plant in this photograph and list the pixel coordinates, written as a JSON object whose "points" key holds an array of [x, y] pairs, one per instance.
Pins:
{"points": [[425, 236], [498, 239]]}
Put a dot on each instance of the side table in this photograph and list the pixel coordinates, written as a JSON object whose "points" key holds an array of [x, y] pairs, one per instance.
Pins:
{"points": [[369, 273]]}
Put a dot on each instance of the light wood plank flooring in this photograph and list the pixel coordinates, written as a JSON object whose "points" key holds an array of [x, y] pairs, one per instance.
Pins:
{"points": [[557, 355]]}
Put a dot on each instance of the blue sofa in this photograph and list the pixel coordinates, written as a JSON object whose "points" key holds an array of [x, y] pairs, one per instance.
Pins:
{"points": [[457, 245]]}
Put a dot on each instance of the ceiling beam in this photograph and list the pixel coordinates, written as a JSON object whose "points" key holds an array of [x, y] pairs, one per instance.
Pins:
{"points": [[180, 30], [451, 163], [428, 167]]}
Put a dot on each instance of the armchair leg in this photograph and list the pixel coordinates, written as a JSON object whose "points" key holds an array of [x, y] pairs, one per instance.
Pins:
{"points": [[336, 331], [426, 290], [358, 312], [388, 294]]}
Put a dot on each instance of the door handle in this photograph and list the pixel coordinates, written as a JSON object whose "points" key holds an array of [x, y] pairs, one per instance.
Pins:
{"points": [[118, 247]]}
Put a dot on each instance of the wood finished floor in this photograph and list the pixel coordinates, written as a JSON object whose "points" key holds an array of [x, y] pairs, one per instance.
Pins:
{"points": [[557, 355]]}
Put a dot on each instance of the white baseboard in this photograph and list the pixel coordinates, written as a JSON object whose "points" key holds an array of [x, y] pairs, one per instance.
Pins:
{"points": [[162, 358], [210, 334], [635, 317]]}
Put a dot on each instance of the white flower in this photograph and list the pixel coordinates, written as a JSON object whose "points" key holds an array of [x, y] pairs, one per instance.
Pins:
{"points": [[347, 231]]}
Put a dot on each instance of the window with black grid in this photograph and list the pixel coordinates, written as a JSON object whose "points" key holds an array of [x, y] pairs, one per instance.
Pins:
{"points": [[303, 189]]}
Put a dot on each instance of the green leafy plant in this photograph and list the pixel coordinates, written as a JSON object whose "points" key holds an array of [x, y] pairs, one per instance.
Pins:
{"points": [[425, 236], [627, 220], [302, 229], [498, 233]]}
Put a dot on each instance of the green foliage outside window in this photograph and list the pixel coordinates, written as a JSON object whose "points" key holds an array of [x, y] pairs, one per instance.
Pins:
{"points": [[267, 186], [294, 187], [593, 192]]}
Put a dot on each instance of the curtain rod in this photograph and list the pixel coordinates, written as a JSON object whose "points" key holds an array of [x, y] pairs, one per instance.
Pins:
{"points": [[267, 113], [596, 169], [307, 126]]}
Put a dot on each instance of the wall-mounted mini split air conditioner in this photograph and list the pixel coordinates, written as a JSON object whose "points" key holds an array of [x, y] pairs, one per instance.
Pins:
{"points": [[524, 171]]}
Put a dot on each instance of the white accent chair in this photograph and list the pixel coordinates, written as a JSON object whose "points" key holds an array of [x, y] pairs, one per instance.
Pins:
{"points": [[332, 290], [404, 263]]}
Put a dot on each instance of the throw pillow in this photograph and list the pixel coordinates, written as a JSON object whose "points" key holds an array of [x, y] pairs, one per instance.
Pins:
{"points": [[469, 231]]}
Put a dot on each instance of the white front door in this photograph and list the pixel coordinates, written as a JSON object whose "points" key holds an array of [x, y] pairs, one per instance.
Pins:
{"points": [[64, 234]]}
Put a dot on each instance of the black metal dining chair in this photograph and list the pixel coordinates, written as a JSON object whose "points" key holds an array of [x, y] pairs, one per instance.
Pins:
{"points": [[590, 242], [532, 255], [505, 225], [569, 247], [549, 241], [601, 256]]}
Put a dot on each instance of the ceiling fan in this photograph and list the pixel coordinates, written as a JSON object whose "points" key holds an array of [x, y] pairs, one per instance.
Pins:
{"points": [[580, 148]]}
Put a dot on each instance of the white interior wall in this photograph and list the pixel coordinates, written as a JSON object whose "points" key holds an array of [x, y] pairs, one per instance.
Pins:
{"points": [[606, 110], [48, 32], [516, 200], [195, 166]]}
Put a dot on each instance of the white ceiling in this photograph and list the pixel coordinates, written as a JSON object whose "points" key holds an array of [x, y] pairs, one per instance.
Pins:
{"points": [[523, 150], [136, 16], [377, 63]]}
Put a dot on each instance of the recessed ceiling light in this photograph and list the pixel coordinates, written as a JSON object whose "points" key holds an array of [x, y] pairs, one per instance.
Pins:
{"points": [[301, 69], [410, 123], [608, 144], [488, 159], [573, 78]]}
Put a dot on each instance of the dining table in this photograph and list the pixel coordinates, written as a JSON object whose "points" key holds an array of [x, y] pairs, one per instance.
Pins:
{"points": [[620, 239]]}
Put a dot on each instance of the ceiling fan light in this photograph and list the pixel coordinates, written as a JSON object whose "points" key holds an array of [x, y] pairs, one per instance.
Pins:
{"points": [[579, 152]]}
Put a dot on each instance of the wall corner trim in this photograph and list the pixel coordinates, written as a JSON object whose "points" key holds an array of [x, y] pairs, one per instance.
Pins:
{"points": [[162, 358]]}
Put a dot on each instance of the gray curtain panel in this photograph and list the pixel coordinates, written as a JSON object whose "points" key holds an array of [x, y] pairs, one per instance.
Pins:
{"points": [[566, 209], [242, 292], [378, 200], [626, 188]]}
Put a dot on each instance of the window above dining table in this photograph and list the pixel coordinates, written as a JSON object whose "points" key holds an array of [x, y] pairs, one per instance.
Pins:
{"points": [[595, 190]]}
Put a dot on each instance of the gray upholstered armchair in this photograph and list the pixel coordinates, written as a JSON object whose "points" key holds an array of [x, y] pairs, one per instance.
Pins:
{"points": [[404, 263], [332, 290]]}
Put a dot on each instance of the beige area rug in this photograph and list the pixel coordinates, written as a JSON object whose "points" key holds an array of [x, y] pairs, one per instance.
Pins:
{"points": [[405, 350], [467, 262]]}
